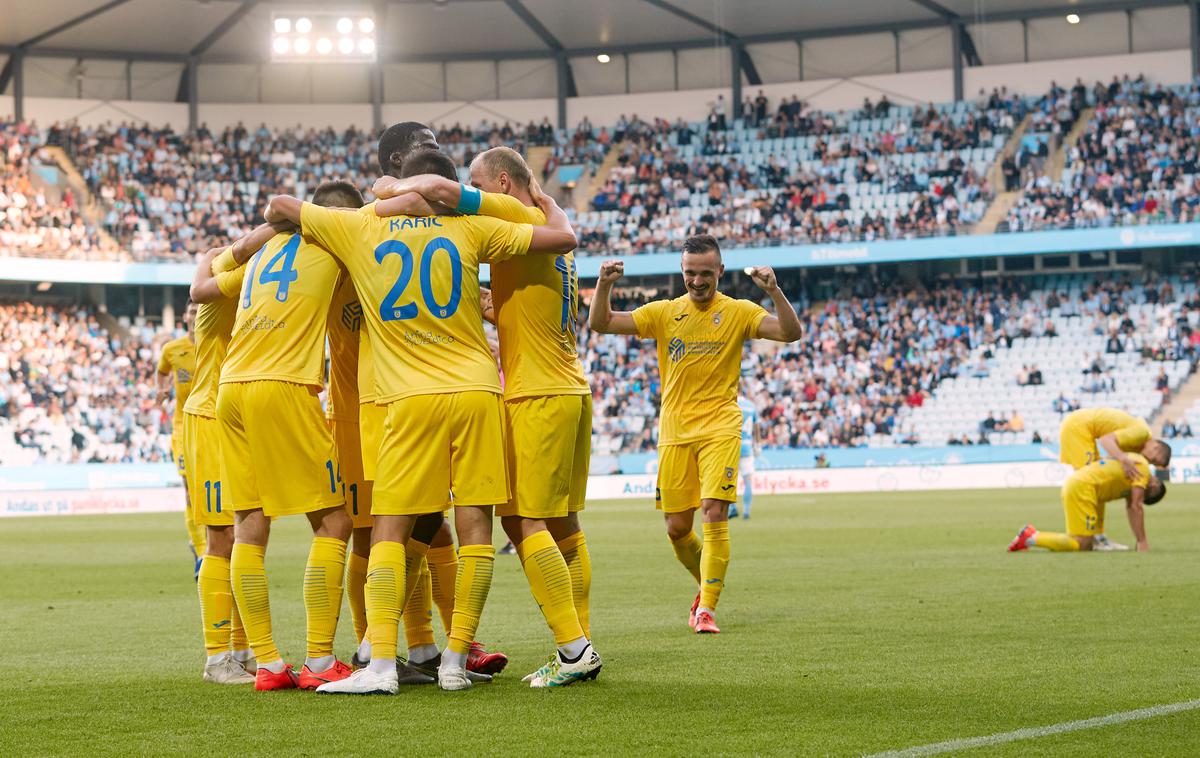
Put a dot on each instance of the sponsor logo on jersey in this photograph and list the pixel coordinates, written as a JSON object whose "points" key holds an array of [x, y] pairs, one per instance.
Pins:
{"points": [[676, 348]]}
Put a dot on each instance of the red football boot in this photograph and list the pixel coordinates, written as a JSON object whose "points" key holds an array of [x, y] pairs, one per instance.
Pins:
{"points": [[336, 672], [481, 661], [1018, 544], [705, 623], [265, 679], [692, 613]]}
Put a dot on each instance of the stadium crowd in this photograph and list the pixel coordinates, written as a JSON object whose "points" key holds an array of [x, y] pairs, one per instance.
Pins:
{"points": [[34, 216], [785, 174], [71, 392], [1135, 162]]}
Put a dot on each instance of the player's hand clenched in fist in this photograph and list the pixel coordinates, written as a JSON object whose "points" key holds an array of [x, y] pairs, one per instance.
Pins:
{"points": [[764, 277], [611, 271]]}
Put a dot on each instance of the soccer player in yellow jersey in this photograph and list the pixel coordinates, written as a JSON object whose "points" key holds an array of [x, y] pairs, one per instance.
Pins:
{"points": [[1084, 495], [278, 455], [548, 407], [214, 322], [700, 339], [444, 431], [176, 368], [1118, 433]]}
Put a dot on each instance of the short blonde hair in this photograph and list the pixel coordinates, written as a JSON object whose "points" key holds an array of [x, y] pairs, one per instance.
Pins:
{"points": [[502, 159]]}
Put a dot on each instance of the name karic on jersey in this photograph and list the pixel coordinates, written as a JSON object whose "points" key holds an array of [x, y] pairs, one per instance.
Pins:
{"points": [[420, 222], [427, 338], [261, 324]]}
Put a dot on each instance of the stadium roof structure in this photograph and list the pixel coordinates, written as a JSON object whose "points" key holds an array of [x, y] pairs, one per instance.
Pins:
{"points": [[195, 32]]}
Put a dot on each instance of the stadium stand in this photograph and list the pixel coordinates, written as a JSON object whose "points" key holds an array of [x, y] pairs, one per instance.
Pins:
{"points": [[72, 392]]}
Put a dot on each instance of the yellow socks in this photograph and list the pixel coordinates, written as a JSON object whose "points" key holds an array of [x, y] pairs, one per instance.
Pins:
{"points": [[249, 577], [575, 552], [385, 588], [216, 603], [1056, 541], [418, 612], [713, 563], [687, 550], [356, 582], [475, 564], [550, 582], [237, 639], [443, 570], [323, 593]]}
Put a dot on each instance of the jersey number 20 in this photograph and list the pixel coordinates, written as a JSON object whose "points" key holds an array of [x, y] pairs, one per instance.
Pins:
{"points": [[390, 310]]}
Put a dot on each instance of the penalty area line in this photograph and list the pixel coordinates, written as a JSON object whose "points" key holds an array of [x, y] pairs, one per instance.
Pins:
{"points": [[950, 746]]}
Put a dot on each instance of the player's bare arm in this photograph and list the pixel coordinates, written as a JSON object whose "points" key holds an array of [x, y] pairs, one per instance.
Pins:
{"points": [[784, 326], [283, 208], [602, 318], [1136, 513], [556, 236], [1113, 448], [204, 282], [248, 245], [408, 204], [163, 385], [434, 188]]}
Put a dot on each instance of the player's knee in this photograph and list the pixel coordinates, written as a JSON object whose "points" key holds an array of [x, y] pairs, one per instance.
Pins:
{"points": [[677, 528], [715, 510], [220, 542], [1085, 542], [430, 528], [512, 528], [361, 544]]}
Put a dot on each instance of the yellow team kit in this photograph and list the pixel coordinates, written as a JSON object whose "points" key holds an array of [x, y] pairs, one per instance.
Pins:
{"points": [[277, 450], [432, 366], [547, 401], [178, 359], [214, 322], [699, 358], [1080, 430], [342, 411], [1087, 490]]}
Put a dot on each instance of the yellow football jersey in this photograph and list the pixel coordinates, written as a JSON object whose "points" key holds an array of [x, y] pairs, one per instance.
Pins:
{"points": [[1132, 432], [345, 323], [411, 273], [537, 303], [1108, 480], [279, 334], [366, 370], [178, 358], [212, 330], [699, 360]]}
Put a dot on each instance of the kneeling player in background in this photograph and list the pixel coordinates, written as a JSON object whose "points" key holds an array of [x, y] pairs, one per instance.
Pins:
{"points": [[1084, 495], [1119, 434]]}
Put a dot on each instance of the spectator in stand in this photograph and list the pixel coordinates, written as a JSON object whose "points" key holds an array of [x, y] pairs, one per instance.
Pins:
{"points": [[1184, 429], [1169, 432]]}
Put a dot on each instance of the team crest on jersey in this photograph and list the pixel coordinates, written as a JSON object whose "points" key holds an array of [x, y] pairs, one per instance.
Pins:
{"points": [[717, 319], [728, 473], [352, 315], [676, 348], [183, 376]]}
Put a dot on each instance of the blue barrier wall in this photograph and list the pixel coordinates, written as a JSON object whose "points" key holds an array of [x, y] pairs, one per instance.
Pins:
{"points": [[788, 256]]}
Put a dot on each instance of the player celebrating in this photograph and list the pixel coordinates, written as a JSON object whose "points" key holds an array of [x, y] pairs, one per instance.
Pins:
{"points": [[700, 337], [278, 456], [746, 464], [211, 328], [434, 371], [1084, 496], [177, 366], [1119, 434], [547, 407]]}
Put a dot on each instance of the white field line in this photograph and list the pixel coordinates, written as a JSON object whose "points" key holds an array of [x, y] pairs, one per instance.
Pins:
{"points": [[1041, 731]]}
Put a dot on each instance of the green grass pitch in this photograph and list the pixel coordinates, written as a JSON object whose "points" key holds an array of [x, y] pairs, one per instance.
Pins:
{"points": [[851, 624]]}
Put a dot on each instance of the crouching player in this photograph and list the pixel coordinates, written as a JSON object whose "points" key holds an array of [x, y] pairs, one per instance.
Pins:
{"points": [[1084, 496]]}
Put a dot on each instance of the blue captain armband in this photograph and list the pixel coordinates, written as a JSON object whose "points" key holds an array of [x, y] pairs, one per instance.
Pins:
{"points": [[469, 199]]}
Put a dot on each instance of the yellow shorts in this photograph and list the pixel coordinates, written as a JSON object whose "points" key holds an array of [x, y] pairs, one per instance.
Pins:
{"points": [[209, 507], [1076, 446], [178, 448], [1085, 516], [439, 444], [549, 449], [355, 488], [276, 450], [371, 419], [695, 471]]}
